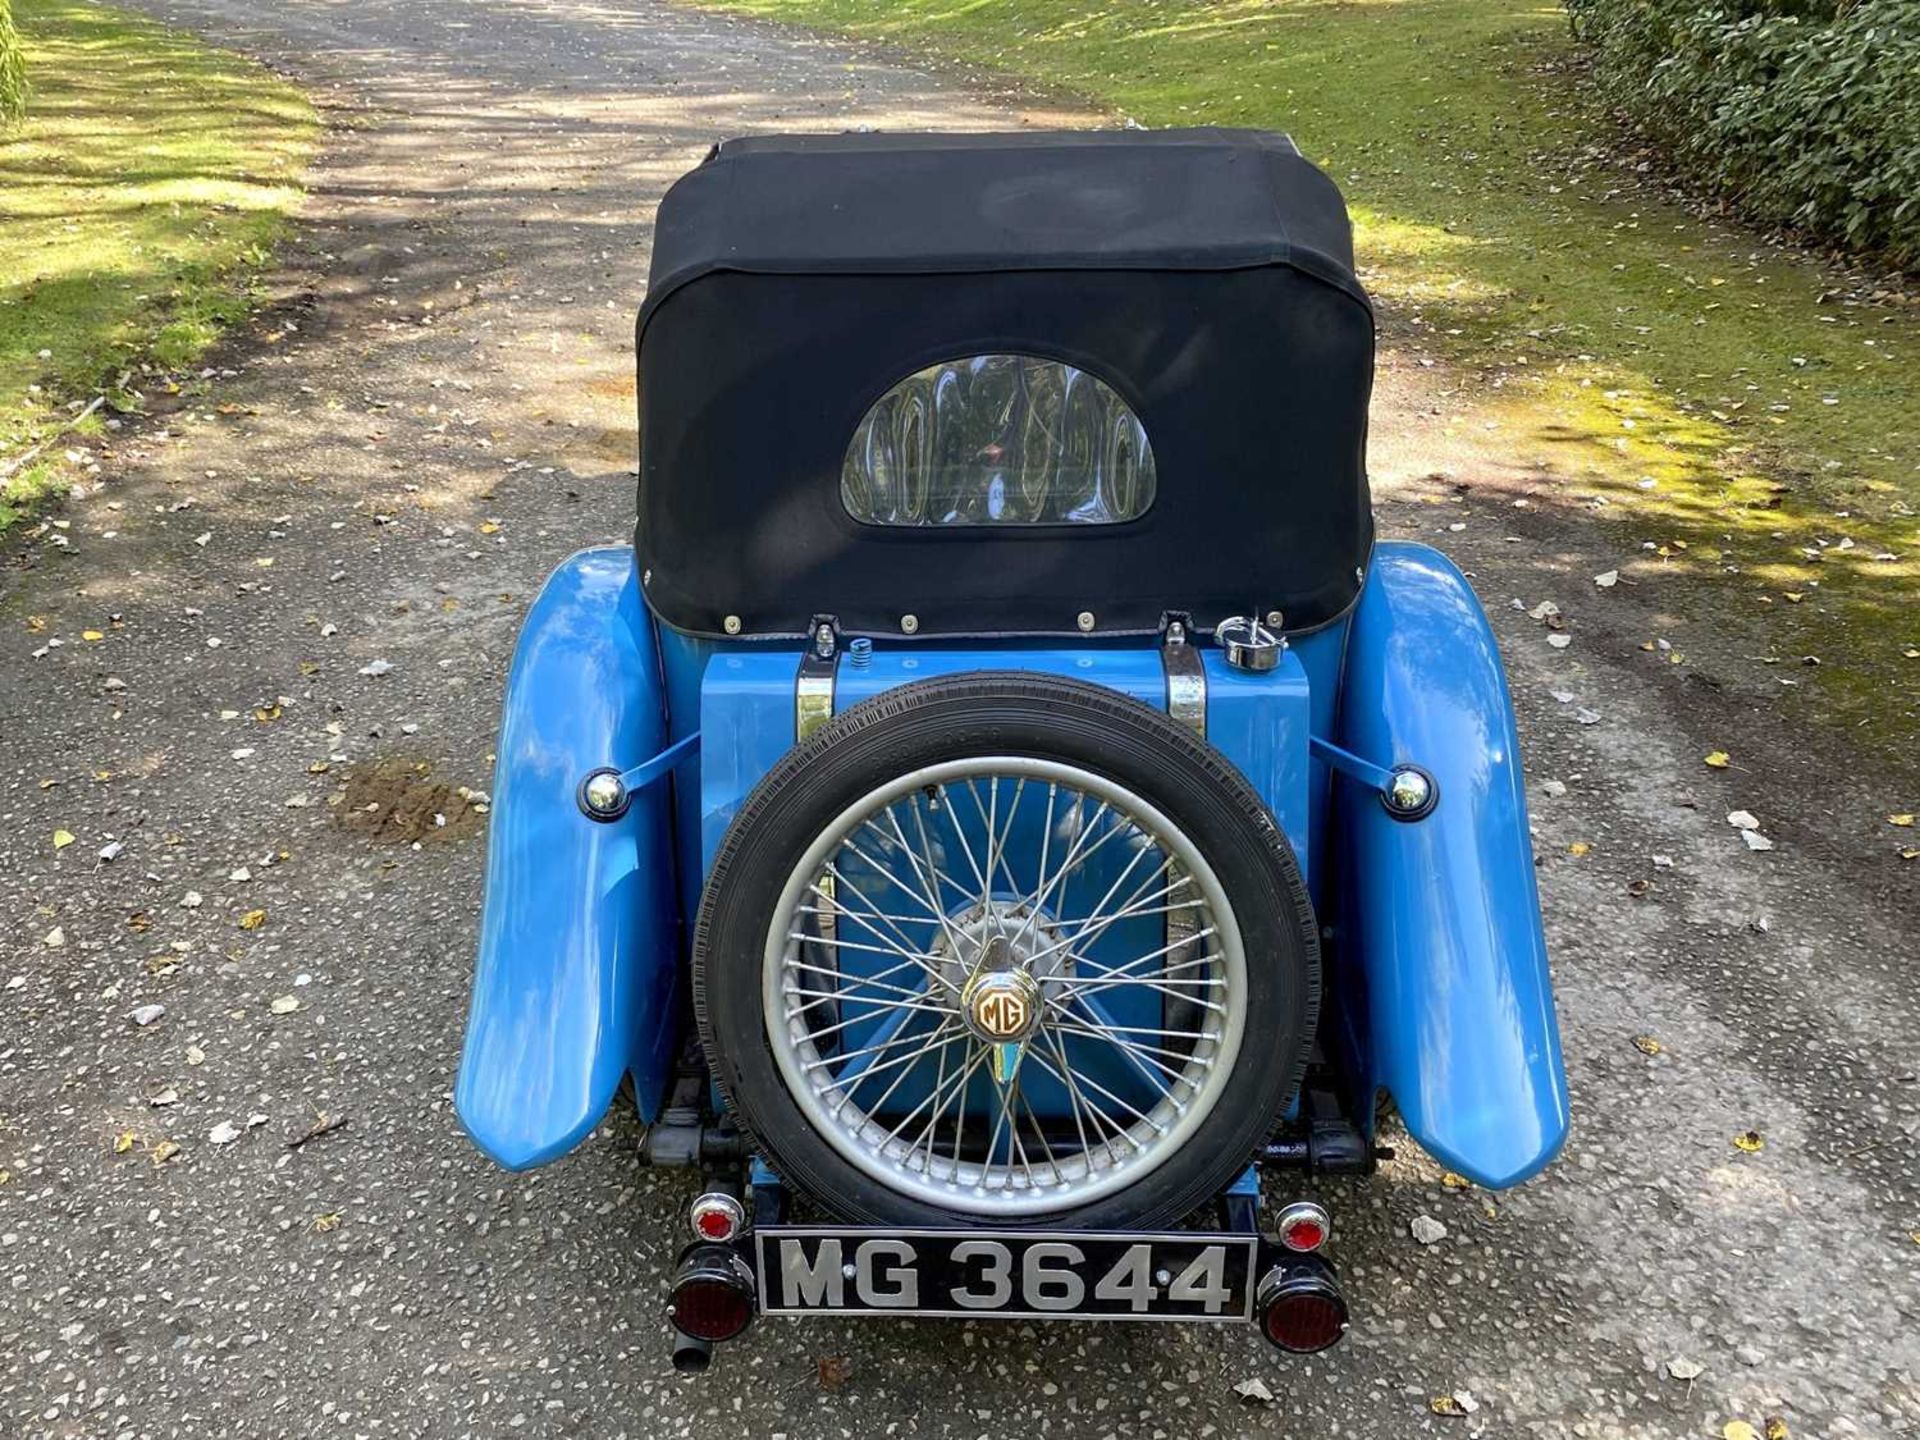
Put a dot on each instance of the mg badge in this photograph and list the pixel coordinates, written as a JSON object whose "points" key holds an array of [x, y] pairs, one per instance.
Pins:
{"points": [[1002, 1005]]}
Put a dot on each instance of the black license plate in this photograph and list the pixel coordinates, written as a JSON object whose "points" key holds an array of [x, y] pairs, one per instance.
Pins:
{"points": [[1193, 1275]]}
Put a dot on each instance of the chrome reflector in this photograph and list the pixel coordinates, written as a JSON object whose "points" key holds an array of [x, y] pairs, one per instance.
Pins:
{"points": [[999, 440]]}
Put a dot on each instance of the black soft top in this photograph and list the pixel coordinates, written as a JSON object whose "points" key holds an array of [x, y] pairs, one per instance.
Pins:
{"points": [[1205, 199], [1206, 275]]}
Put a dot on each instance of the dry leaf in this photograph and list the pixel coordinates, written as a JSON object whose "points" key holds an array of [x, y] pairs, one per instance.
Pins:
{"points": [[1903, 820], [1647, 1045], [324, 1223], [1738, 1430], [1445, 1405], [1748, 1141], [1719, 759], [62, 839], [835, 1371], [285, 1005], [1777, 1428], [1579, 847], [253, 919], [164, 1152], [91, 635], [124, 1142]]}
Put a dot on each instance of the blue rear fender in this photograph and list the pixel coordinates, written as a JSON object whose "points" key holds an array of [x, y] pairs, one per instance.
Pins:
{"points": [[576, 980], [1442, 947]]}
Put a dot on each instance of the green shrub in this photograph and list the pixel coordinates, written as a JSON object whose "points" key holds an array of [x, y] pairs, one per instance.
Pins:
{"points": [[13, 68], [1805, 112]]}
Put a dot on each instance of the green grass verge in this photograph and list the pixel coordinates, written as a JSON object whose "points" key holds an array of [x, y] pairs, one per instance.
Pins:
{"points": [[1629, 340], [148, 181]]}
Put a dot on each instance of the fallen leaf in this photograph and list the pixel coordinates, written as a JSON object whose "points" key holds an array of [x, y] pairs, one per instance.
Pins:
{"points": [[1748, 1142], [1455, 1182], [1647, 1045], [1742, 820], [285, 1005], [164, 1151], [1755, 840], [91, 635], [1254, 1392], [1719, 759], [1904, 821], [1682, 1368], [145, 1015], [195, 1055], [1445, 1405], [834, 1371], [1607, 579], [1559, 641], [62, 839], [124, 1141], [488, 527], [253, 919], [1777, 1428], [322, 1224], [1579, 847], [225, 1133], [1738, 1430]]}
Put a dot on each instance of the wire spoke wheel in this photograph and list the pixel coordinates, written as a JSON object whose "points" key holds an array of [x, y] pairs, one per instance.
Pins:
{"points": [[970, 991], [996, 947]]}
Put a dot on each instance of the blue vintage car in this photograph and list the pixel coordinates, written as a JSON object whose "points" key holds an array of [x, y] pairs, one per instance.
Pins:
{"points": [[1005, 816]]}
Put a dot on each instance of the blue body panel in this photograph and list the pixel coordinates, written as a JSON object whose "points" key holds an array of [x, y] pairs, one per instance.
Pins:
{"points": [[1443, 958], [1439, 990], [1260, 722], [578, 959]]}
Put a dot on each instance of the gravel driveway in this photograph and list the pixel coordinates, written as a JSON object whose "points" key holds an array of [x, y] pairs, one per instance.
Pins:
{"points": [[294, 596]]}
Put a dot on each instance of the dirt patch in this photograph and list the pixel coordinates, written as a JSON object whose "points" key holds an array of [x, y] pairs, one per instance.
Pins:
{"points": [[397, 800]]}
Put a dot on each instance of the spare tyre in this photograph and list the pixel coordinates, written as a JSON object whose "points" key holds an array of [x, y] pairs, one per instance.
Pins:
{"points": [[1005, 949]]}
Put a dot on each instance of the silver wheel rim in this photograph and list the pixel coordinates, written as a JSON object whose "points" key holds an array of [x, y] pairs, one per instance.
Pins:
{"points": [[867, 1000]]}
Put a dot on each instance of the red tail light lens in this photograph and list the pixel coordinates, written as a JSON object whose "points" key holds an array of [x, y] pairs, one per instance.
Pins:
{"points": [[1301, 1308], [712, 1297], [716, 1216], [1304, 1227]]}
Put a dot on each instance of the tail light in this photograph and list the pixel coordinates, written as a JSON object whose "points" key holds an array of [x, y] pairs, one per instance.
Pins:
{"points": [[1304, 1227], [712, 1298], [1300, 1306], [716, 1216]]}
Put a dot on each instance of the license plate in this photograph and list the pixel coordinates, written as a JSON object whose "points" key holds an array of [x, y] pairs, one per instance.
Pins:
{"points": [[1031, 1274]]}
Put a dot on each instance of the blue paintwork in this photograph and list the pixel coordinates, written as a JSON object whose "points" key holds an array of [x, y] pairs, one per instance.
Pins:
{"points": [[1439, 983], [1441, 940], [1260, 722], [575, 984]]}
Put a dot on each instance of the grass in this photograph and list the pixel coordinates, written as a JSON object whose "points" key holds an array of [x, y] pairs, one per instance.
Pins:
{"points": [[146, 185], [1604, 332]]}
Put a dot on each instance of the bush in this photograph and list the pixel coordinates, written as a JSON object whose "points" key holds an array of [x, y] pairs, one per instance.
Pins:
{"points": [[1805, 112], [13, 68]]}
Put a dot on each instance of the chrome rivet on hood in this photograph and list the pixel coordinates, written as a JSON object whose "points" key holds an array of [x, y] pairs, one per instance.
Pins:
{"points": [[909, 624]]}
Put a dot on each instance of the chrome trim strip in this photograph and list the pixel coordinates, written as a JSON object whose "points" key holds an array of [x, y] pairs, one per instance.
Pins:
{"points": [[1186, 703]]}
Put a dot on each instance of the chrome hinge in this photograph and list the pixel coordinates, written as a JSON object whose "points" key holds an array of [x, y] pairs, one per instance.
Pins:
{"points": [[1186, 674], [813, 686]]}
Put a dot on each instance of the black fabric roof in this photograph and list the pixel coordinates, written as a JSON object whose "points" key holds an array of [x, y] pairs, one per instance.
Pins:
{"points": [[1206, 276], [1199, 199]]}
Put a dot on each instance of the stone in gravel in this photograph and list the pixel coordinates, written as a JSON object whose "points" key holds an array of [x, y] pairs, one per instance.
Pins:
{"points": [[1683, 1368], [285, 1005], [1587, 717], [1559, 640], [190, 900], [54, 938], [1663, 862], [145, 1015], [1427, 1230], [111, 850], [1743, 820], [1553, 788], [1748, 1355], [1755, 840], [377, 667]]}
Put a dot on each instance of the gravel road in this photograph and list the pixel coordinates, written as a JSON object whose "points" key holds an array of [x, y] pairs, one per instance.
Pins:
{"points": [[293, 594]]}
